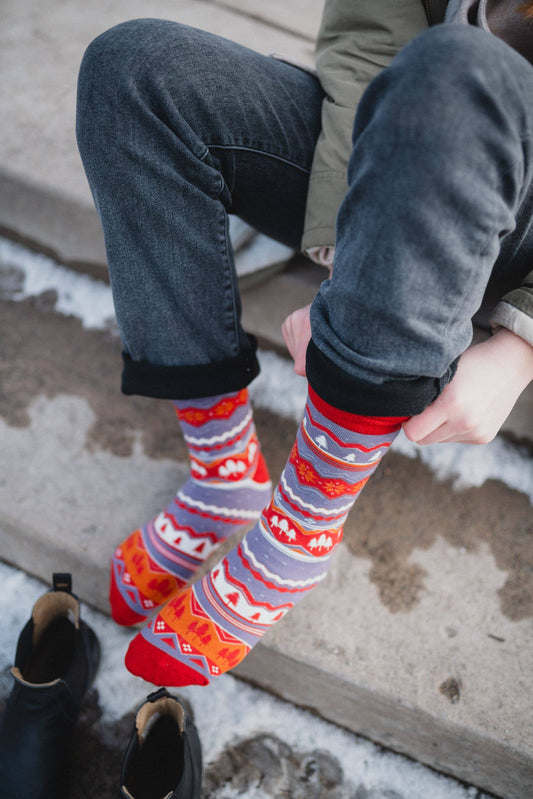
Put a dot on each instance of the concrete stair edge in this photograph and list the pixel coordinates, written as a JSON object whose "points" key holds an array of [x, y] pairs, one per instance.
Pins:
{"points": [[448, 748]]}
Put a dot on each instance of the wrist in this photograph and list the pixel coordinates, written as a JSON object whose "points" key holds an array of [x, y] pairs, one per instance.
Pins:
{"points": [[514, 352]]}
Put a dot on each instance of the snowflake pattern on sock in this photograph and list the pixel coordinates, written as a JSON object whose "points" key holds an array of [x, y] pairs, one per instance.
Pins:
{"points": [[211, 626], [228, 488]]}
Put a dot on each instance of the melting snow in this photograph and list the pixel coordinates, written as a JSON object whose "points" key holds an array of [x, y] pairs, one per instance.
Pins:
{"points": [[228, 710], [24, 273]]}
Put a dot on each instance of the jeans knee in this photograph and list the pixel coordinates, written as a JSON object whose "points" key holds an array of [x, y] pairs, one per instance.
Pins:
{"points": [[452, 64], [121, 54], [450, 50], [123, 71], [447, 85]]}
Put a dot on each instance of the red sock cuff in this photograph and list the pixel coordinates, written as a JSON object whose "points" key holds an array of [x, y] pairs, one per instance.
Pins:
{"points": [[371, 425]]}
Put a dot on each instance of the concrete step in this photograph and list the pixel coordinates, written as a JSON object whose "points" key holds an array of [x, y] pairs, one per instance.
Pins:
{"points": [[300, 17], [420, 638], [44, 196]]}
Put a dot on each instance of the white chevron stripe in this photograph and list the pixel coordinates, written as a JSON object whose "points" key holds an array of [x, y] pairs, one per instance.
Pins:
{"points": [[289, 550], [233, 512], [232, 595], [229, 485], [234, 623], [275, 577], [326, 511], [199, 442], [348, 460]]}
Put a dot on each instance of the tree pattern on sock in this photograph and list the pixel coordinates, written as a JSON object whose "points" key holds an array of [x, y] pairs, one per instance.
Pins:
{"points": [[211, 626], [228, 487]]}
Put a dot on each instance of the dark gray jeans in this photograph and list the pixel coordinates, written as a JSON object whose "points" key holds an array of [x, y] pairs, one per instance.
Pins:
{"points": [[177, 128]]}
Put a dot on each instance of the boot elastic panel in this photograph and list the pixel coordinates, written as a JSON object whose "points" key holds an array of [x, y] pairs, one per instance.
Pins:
{"points": [[163, 759], [47, 644], [56, 661]]}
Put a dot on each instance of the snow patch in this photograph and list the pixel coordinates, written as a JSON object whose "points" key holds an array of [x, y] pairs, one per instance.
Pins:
{"points": [[471, 465], [278, 388], [78, 295], [227, 710], [24, 273]]}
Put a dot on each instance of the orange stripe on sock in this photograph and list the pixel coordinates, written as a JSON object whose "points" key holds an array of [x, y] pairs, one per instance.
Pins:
{"points": [[156, 585], [204, 635]]}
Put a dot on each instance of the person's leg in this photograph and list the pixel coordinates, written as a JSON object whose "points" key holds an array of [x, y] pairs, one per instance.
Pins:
{"points": [[418, 236], [439, 205], [228, 487], [211, 626], [177, 128]]}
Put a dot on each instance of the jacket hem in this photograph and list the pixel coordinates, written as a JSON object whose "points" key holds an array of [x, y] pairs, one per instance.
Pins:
{"points": [[318, 237], [326, 191]]}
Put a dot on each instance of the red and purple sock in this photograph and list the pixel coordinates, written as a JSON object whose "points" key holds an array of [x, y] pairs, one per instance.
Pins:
{"points": [[211, 626], [228, 487]]}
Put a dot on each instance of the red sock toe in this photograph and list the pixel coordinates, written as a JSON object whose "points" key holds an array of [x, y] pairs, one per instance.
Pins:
{"points": [[147, 661], [120, 610]]}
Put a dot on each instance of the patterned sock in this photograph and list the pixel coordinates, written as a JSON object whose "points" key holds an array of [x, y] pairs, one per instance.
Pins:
{"points": [[228, 488], [211, 626]]}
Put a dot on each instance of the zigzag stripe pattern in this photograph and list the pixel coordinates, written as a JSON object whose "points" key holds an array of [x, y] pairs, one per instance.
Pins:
{"points": [[215, 442], [227, 489], [286, 554], [271, 580]]}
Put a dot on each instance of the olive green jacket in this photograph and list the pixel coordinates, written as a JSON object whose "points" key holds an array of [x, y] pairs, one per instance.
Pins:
{"points": [[357, 39]]}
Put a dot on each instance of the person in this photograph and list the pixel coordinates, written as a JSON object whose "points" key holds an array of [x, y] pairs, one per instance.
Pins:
{"points": [[406, 164]]}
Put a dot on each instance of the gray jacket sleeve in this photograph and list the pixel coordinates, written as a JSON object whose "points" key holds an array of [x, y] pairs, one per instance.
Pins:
{"points": [[357, 39], [515, 311]]}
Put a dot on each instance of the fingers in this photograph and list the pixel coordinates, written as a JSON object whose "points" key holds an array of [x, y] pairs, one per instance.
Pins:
{"points": [[296, 332], [286, 333], [426, 427], [439, 425]]}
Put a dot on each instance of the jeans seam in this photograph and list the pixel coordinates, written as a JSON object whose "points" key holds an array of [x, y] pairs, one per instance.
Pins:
{"points": [[257, 150], [230, 289]]}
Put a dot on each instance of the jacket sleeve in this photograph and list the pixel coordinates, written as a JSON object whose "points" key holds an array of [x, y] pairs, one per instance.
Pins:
{"points": [[515, 310], [357, 39]]}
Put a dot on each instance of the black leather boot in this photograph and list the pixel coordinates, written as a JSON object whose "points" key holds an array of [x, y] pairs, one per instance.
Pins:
{"points": [[164, 758], [56, 661]]}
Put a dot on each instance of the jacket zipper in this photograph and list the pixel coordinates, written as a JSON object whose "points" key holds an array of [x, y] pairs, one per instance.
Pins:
{"points": [[435, 10]]}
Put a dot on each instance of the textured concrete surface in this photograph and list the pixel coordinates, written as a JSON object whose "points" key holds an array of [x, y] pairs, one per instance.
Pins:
{"points": [[421, 637], [44, 196]]}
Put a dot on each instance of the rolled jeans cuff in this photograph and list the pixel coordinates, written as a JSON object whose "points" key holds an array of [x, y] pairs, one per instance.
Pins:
{"points": [[352, 394], [185, 382]]}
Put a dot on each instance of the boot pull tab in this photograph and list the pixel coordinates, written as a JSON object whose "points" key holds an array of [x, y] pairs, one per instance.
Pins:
{"points": [[62, 581], [159, 694]]}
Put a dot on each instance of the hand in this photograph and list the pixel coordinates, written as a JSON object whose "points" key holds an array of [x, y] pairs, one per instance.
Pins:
{"points": [[296, 331], [471, 409]]}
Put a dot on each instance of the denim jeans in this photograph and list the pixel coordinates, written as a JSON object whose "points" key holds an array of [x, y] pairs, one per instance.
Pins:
{"points": [[178, 128]]}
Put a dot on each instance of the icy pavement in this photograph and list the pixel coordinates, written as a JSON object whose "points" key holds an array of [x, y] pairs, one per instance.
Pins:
{"points": [[255, 746]]}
